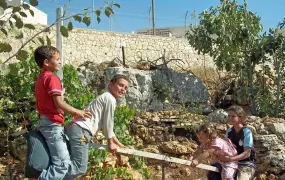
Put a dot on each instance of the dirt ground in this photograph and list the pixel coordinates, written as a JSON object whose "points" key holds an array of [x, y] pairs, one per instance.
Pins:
{"points": [[175, 172]]}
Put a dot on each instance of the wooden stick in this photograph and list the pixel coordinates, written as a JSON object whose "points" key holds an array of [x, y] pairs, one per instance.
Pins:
{"points": [[155, 156]]}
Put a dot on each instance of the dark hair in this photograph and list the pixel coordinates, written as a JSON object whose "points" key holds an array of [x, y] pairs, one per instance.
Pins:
{"points": [[238, 110], [44, 52], [119, 76], [207, 129]]}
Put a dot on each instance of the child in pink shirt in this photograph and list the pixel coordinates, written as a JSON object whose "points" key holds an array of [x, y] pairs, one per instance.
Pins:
{"points": [[213, 145]]}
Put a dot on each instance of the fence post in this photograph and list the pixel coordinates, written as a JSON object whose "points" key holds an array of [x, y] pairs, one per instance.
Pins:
{"points": [[59, 41], [124, 58]]}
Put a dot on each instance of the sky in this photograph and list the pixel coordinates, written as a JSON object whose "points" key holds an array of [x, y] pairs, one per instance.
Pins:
{"points": [[135, 14]]}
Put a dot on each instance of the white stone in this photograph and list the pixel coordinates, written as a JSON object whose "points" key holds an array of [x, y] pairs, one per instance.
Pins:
{"points": [[277, 128]]}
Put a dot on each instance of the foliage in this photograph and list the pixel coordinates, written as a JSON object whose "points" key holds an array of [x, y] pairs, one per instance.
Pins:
{"points": [[123, 118], [18, 101], [271, 91], [231, 35], [162, 91], [139, 163], [12, 20], [76, 95], [226, 33]]}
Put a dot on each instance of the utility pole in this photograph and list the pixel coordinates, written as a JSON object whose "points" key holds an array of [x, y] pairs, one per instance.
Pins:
{"points": [[59, 41], [153, 23], [92, 24], [110, 22], [193, 16], [149, 19]]}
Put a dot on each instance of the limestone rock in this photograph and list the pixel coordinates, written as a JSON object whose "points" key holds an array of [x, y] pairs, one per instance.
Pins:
{"points": [[149, 89], [139, 94], [270, 154], [218, 115], [277, 128], [175, 147]]}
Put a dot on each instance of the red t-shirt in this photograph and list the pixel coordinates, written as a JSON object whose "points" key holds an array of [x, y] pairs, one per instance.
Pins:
{"points": [[48, 85]]}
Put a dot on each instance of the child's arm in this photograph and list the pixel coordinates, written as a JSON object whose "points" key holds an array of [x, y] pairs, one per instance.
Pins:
{"points": [[60, 104], [206, 154], [197, 153], [239, 157], [116, 141]]}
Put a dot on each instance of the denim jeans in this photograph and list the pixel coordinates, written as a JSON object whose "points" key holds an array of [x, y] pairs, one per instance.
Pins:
{"points": [[79, 139], [56, 142]]}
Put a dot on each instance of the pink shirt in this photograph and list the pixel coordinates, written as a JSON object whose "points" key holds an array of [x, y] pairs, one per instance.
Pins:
{"points": [[225, 148]]}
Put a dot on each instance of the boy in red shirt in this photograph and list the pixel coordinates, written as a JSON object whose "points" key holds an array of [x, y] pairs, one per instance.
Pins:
{"points": [[50, 106]]}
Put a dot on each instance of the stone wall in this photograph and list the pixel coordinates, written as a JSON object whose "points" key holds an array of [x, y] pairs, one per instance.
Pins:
{"points": [[100, 46]]}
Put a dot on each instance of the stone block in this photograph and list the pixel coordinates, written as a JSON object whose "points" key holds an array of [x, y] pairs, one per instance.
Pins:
{"points": [[277, 128]]}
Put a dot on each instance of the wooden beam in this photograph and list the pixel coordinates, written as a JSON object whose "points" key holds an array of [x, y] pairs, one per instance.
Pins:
{"points": [[155, 156]]}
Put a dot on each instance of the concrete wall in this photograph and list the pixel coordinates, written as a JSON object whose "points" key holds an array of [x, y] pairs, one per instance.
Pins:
{"points": [[99, 46]]}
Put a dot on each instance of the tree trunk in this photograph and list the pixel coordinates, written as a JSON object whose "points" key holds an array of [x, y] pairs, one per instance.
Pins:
{"points": [[278, 85], [252, 97]]}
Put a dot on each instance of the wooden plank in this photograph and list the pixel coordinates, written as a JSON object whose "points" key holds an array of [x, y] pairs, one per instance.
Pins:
{"points": [[155, 156]]}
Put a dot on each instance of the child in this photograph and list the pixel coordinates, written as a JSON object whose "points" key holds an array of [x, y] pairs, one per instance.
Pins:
{"points": [[242, 138], [212, 145], [80, 132], [50, 106]]}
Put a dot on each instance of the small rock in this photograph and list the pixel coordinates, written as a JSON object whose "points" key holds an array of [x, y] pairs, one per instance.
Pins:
{"points": [[218, 115], [277, 128], [185, 172]]}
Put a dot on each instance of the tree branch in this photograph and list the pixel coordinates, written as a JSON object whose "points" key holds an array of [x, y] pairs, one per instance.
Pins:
{"points": [[43, 30]]}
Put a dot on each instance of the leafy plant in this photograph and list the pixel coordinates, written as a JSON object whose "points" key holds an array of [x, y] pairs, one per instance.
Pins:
{"points": [[162, 91], [123, 117], [76, 95], [231, 34], [139, 163]]}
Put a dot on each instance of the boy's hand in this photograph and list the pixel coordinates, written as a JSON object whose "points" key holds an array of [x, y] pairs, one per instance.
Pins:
{"points": [[194, 163], [224, 158], [83, 114], [112, 148], [124, 147]]}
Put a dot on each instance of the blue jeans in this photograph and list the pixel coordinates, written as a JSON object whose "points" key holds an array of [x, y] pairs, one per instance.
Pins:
{"points": [[56, 142], [79, 139]]}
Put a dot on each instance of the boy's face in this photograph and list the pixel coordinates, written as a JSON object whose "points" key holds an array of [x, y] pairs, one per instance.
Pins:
{"points": [[53, 64], [119, 88]]}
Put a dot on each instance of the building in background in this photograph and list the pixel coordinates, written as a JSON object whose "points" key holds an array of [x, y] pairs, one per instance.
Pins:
{"points": [[38, 18], [175, 31]]}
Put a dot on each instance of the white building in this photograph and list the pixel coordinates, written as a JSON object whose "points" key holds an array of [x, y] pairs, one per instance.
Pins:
{"points": [[38, 18], [175, 31]]}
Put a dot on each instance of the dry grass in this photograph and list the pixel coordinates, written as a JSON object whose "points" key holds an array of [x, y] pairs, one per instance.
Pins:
{"points": [[206, 75]]}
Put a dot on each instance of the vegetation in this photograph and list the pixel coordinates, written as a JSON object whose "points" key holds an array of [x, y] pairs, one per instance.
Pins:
{"points": [[232, 35]]}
